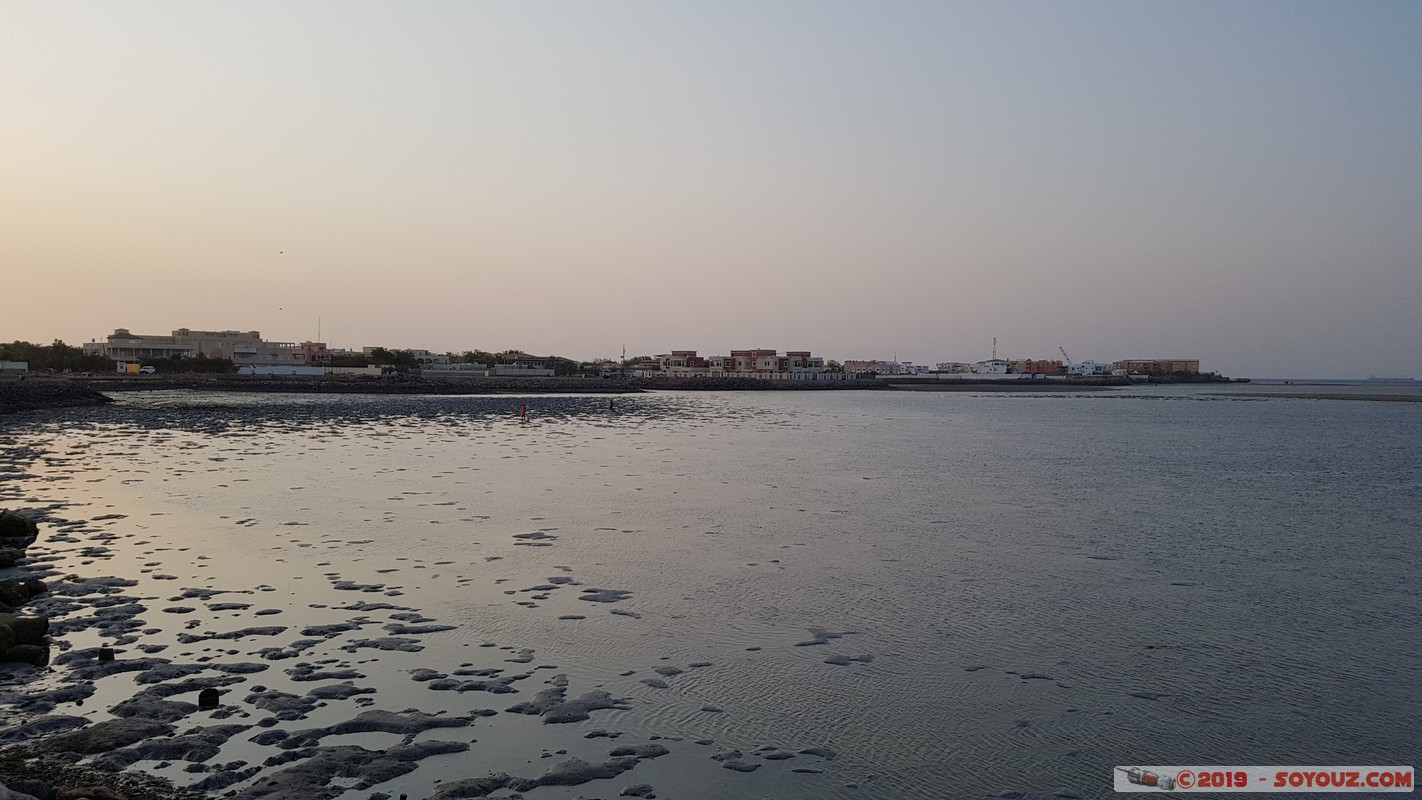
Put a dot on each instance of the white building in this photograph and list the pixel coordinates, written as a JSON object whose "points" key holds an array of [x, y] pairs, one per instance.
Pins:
{"points": [[1091, 368], [519, 371], [874, 366], [995, 366]]}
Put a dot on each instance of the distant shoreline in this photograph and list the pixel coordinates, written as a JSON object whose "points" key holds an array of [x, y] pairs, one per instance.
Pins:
{"points": [[579, 385]]}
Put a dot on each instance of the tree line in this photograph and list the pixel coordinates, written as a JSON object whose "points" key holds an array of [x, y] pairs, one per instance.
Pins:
{"points": [[60, 357], [406, 360], [56, 357]]}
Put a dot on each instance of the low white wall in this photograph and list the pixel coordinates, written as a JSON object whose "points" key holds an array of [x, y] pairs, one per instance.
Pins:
{"points": [[279, 369]]}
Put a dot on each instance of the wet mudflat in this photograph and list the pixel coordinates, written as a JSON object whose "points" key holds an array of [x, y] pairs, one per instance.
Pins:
{"points": [[703, 596]]}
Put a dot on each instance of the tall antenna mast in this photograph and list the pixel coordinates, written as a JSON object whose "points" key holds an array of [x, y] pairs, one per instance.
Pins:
{"points": [[994, 348]]}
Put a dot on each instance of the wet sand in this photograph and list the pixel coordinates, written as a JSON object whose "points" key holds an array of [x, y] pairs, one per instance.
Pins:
{"points": [[321, 683]]}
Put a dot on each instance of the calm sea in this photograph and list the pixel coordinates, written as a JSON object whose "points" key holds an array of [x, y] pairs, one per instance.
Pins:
{"points": [[960, 595]]}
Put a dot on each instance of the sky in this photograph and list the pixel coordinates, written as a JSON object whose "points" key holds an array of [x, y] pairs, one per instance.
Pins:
{"points": [[1235, 182]]}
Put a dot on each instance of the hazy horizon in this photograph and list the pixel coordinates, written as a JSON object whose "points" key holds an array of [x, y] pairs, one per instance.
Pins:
{"points": [[1237, 183]]}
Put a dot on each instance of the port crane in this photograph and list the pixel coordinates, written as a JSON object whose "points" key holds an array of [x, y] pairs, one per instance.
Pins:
{"points": [[1067, 357]]}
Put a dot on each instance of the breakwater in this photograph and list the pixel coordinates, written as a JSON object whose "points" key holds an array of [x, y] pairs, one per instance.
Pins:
{"points": [[28, 394]]}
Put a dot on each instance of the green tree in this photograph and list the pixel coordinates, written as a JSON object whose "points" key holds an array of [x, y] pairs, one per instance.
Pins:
{"points": [[55, 357], [401, 360], [180, 364], [478, 357], [350, 360]]}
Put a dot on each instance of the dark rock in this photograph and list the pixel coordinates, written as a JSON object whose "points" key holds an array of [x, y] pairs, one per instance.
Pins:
{"points": [[28, 395], [594, 595], [208, 699], [88, 793], [310, 777], [36, 789], [339, 691], [41, 727], [472, 787], [14, 594], [35, 654], [268, 738], [109, 735], [168, 672], [640, 751], [554, 708], [149, 707], [17, 526], [575, 771]]}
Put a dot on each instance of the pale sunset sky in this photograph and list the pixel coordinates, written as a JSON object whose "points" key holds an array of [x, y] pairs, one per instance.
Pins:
{"points": [[1238, 182]]}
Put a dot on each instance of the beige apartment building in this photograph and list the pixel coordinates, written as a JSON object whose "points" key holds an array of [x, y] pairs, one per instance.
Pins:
{"points": [[1159, 366], [242, 347], [759, 364]]}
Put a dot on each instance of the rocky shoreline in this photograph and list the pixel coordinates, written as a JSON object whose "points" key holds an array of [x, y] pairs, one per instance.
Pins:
{"points": [[31, 773], [32, 394], [91, 687], [48, 751]]}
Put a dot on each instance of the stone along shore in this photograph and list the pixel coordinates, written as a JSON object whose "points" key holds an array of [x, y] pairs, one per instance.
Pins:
{"points": [[29, 394], [24, 645]]}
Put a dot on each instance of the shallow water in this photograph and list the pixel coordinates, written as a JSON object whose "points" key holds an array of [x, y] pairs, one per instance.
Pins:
{"points": [[1027, 590]]}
